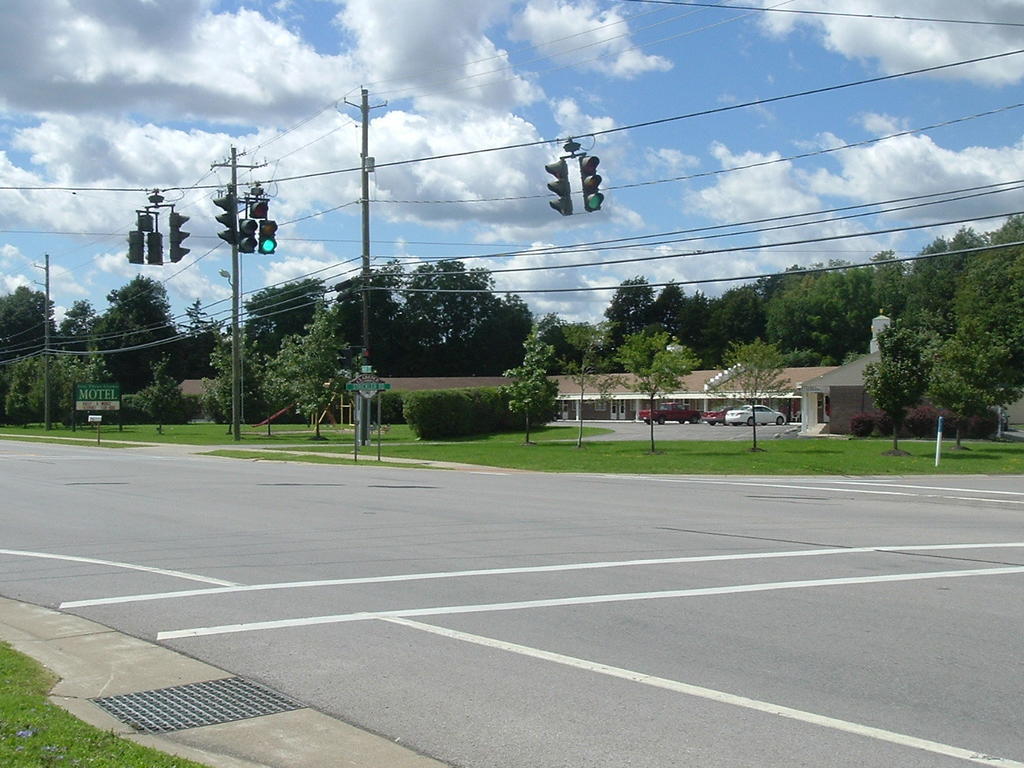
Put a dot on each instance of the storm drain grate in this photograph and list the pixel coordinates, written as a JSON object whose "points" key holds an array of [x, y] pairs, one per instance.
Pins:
{"points": [[195, 705]]}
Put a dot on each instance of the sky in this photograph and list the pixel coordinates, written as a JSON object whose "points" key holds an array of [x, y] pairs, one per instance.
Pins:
{"points": [[811, 118]]}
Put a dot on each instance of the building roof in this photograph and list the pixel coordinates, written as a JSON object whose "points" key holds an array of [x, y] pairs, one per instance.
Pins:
{"points": [[849, 375], [692, 384], [420, 383]]}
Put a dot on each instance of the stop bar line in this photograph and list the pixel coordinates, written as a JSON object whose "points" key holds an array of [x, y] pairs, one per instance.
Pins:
{"points": [[308, 621], [231, 589]]}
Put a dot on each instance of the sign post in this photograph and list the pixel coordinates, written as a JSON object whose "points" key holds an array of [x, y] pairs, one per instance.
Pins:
{"points": [[98, 421], [368, 385]]}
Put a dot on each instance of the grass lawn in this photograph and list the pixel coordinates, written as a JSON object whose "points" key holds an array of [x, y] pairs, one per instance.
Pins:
{"points": [[554, 450], [37, 734]]}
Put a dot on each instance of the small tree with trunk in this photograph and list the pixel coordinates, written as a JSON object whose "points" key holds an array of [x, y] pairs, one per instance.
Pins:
{"points": [[900, 377], [585, 366], [531, 392], [756, 373], [658, 362]]}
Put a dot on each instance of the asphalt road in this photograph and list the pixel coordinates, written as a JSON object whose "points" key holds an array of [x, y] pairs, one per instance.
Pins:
{"points": [[523, 620]]}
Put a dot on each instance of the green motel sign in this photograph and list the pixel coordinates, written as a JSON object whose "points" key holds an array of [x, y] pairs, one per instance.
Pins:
{"points": [[97, 397]]}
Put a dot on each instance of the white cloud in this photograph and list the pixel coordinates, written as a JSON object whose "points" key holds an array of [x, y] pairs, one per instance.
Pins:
{"points": [[582, 35], [900, 46]]}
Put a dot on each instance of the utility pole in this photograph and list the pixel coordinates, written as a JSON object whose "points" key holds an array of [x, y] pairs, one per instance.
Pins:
{"points": [[367, 162], [230, 219], [46, 343]]}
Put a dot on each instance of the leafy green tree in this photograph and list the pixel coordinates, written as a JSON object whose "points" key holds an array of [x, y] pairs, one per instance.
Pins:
{"points": [[738, 315], [665, 310], [388, 343], [67, 371], [76, 329], [310, 361], [692, 325], [900, 377], [23, 402], [281, 310], [931, 283], [201, 335], [585, 364], [162, 399], [657, 362], [970, 375], [136, 329], [756, 373], [629, 311], [21, 323], [531, 392]]}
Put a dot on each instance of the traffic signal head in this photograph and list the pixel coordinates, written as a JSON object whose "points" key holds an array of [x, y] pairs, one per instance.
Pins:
{"points": [[592, 197], [229, 218], [560, 186], [154, 248], [268, 237], [144, 221], [135, 243], [247, 235], [259, 210], [176, 220]]}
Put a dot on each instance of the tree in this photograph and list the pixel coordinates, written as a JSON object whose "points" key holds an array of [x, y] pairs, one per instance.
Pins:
{"points": [[658, 362], [665, 310], [201, 336], [137, 325], [531, 392], [970, 375], [69, 370], [280, 311], [755, 372], [310, 361], [76, 329], [737, 316], [583, 363], [629, 311], [21, 323], [900, 377], [162, 399]]}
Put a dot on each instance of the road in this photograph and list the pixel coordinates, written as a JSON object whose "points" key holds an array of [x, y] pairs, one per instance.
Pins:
{"points": [[525, 620]]}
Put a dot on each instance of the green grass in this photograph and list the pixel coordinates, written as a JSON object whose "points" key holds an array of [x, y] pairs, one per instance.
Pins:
{"points": [[554, 450], [299, 455], [37, 734], [779, 457]]}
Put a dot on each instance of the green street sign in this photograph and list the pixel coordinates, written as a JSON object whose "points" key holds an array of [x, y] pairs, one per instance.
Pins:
{"points": [[367, 386], [97, 397]]}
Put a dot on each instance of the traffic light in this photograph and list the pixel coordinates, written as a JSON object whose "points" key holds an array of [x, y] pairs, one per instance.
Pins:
{"points": [[268, 237], [176, 220], [560, 186], [229, 218], [247, 235], [592, 197], [259, 210], [144, 221], [154, 248], [135, 243]]}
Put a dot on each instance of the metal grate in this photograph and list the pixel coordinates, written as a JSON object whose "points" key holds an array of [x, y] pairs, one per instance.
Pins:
{"points": [[195, 705]]}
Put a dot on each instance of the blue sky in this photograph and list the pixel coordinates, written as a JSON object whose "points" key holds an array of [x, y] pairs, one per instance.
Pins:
{"points": [[108, 95]]}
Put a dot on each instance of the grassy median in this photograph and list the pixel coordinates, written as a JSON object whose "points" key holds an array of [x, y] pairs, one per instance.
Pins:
{"points": [[37, 734]]}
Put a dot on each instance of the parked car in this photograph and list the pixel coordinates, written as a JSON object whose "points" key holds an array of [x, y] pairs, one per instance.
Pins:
{"points": [[670, 412], [714, 417], [746, 414]]}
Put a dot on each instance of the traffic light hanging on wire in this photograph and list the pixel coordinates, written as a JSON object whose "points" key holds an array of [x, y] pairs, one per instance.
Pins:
{"points": [[176, 220], [268, 237], [560, 186], [591, 182], [154, 248], [136, 244], [228, 219], [247, 235]]}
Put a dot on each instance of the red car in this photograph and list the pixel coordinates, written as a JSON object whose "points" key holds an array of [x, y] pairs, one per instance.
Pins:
{"points": [[714, 417]]}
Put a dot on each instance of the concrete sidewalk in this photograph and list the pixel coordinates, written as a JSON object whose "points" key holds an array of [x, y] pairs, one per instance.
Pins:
{"points": [[94, 661]]}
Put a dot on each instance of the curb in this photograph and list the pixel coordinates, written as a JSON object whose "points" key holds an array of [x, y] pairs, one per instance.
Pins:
{"points": [[94, 661]]}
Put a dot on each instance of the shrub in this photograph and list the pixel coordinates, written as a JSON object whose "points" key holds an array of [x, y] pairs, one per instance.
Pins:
{"points": [[922, 421], [980, 427], [862, 425], [391, 405], [456, 412]]}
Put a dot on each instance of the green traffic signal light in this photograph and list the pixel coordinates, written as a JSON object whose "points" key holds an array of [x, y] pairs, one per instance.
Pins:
{"points": [[268, 237], [591, 182]]}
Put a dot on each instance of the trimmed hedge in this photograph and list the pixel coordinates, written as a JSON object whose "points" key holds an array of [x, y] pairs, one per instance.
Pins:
{"points": [[457, 412]]}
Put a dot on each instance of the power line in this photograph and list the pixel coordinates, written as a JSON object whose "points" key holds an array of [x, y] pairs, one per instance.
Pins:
{"points": [[873, 16]]}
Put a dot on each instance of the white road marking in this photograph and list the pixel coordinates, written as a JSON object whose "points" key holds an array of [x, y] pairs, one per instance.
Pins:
{"points": [[792, 486], [225, 629], [524, 569], [928, 487], [115, 564], [718, 696]]}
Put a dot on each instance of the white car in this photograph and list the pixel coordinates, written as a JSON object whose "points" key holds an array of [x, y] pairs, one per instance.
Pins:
{"points": [[746, 414]]}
